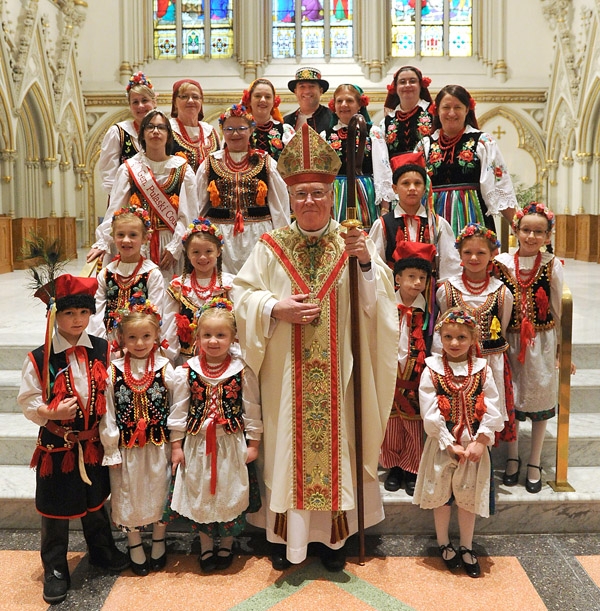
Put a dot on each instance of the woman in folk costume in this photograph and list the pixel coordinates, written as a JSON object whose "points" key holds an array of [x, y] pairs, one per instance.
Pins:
{"points": [[161, 183], [271, 134], [374, 178], [240, 190], [293, 302], [470, 180], [192, 136]]}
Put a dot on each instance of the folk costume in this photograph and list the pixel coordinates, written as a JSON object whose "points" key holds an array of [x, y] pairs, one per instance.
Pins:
{"points": [[458, 401], [135, 436], [321, 118], [375, 183], [492, 308], [403, 442], [185, 296], [70, 479], [271, 137], [470, 180], [117, 282], [215, 412], [167, 190], [402, 131], [195, 142], [305, 371], [119, 144], [532, 331], [244, 196]]}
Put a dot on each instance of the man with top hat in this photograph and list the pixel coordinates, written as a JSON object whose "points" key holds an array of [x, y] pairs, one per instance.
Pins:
{"points": [[62, 390], [293, 302], [308, 86]]}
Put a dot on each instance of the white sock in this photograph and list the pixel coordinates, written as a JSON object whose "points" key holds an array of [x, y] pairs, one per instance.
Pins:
{"points": [[158, 547], [225, 544], [136, 550]]}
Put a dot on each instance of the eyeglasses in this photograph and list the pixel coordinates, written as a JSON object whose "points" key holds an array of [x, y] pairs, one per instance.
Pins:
{"points": [[240, 130], [316, 196], [538, 233], [160, 128], [193, 97], [407, 81]]}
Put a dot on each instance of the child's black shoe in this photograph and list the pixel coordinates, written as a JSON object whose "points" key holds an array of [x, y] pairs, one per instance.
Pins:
{"points": [[56, 586], [394, 478]]}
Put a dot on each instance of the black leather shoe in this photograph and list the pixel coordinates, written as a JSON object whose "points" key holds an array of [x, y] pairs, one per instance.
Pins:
{"points": [[453, 561], [56, 586], [208, 561], [117, 562], [394, 478], [333, 560], [139, 569], [278, 557], [157, 564], [224, 559], [472, 569], [513, 478], [410, 479], [534, 487]]}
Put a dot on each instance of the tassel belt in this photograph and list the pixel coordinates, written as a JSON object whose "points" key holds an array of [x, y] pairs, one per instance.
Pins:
{"points": [[225, 214], [71, 436]]}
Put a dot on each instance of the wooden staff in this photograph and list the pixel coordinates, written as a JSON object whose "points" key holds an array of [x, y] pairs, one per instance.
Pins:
{"points": [[353, 167]]}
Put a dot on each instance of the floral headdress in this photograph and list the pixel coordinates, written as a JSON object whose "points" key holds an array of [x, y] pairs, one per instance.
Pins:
{"points": [[457, 316], [533, 208], [139, 78], [220, 303], [237, 110], [138, 211], [247, 93], [363, 101], [202, 225], [475, 230], [137, 303]]}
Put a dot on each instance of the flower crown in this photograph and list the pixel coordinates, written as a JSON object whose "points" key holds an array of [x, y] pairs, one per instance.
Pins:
{"points": [[202, 225], [457, 316], [137, 303], [237, 110], [139, 78], [216, 302], [472, 104], [473, 230], [533, 208], [141, 213]]}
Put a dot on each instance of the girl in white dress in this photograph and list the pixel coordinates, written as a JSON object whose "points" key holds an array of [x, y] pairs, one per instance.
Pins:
{"points": [[134, 433], [461, 413], [216, 426]]}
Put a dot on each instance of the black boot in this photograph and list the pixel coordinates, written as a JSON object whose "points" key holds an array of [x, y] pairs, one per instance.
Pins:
{"points": [[99, 538]]}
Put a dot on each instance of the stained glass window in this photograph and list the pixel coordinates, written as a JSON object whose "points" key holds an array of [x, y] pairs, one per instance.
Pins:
{"points": [[308, 29], [182, 29], [432, 28]]}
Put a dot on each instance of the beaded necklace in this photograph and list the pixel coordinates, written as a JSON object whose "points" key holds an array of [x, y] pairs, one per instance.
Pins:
{"points": [[525, 284], [450, 375], [143, 384], [234, 166], [126, 282], [214, 371], [447, 144], [203, 292], [198, 143], [475, 288], [402, 115]]}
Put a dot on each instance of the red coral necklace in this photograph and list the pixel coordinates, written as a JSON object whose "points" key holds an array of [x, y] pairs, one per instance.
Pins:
{"points": [[203, 292], [125, 282], [475, 288], [450, 375], [214, 371], [235, 166], [525, 284], [143, 384]]}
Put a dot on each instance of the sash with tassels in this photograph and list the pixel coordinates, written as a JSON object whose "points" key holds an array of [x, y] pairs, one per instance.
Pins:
{"points": [[317, 396]]}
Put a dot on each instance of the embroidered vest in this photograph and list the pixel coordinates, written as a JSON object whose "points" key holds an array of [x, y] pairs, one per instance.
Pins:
{"points": [[194, 154], [268, 138], [187, 309], [117, 296], [537, 298], [238, 190], [402, 136], [338, 140], [464, 409], [151, 407], [228, 396], [491, 340], [128, 146], [396, 232]]}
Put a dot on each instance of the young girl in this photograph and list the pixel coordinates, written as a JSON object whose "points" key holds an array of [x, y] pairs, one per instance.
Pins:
{"points": [[491, 303], [127, 273], [216, 409], [535, 279], [460, 410], [134, 433], [202, 280]]}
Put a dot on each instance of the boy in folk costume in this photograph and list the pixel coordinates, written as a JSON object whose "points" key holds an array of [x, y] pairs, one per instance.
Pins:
{"points": [[62, 390], [403, 443]]}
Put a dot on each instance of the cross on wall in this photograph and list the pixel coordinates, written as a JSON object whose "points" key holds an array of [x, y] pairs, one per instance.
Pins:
{"points": [[498, 133]]}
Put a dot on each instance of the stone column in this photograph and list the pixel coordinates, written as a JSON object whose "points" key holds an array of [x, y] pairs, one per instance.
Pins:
{"points": [[7, 194], [50, 165]]}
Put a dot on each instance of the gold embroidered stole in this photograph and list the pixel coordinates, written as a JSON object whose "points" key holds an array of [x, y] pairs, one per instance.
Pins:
{"points": [[314, 266]]}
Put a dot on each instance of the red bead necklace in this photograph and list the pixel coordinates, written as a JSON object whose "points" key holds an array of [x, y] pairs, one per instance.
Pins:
{"points": [[402, 115], [143, 384], [450, 375], [214, 371], [525, 284], [126, 282], [235, 166], [448, 143], [203, 292], [475, 288]]}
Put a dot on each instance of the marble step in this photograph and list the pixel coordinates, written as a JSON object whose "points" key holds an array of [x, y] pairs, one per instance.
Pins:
{"points": [[12, 357], [518, 512], [585, 390]]}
